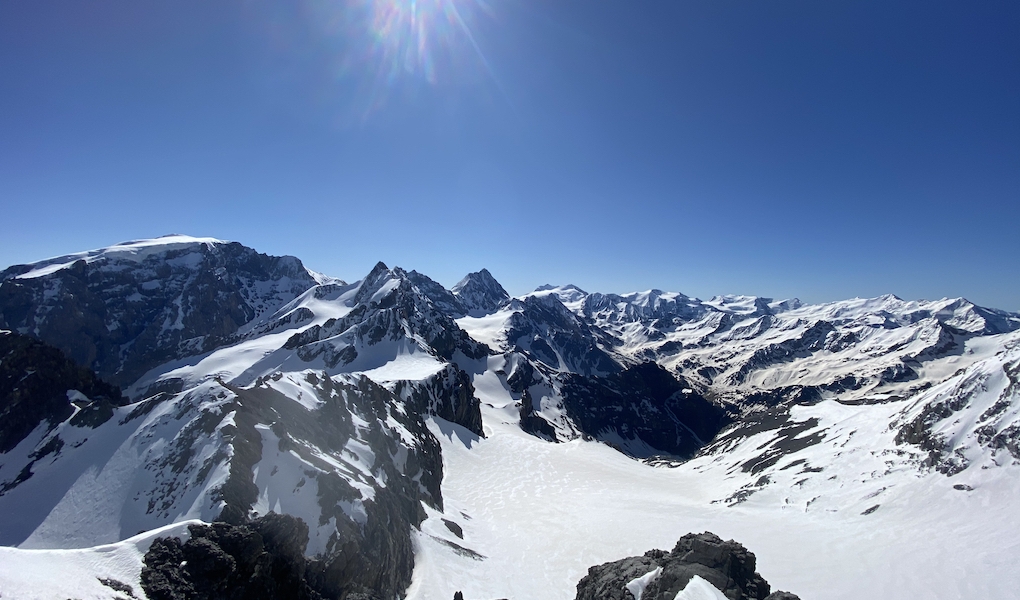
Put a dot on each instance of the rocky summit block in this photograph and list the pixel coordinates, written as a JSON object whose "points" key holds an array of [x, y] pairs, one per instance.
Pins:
{"points": [[263, 559], [727, 565]]}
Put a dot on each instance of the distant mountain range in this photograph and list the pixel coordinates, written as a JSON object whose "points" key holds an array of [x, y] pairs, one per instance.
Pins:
{"points": [[201, 380]]}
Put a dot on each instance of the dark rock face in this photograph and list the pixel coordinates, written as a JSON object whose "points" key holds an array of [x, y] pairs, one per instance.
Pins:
{"points": [[35, 379], [121, 313], [548, 332], [448, 394], [644, 403], [263, 559], [480, 294], [440, 297], [522, 377], [727, 565]]}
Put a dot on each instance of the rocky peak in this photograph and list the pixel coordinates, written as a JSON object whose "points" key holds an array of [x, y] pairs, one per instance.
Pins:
{"points": [[549, 332], [406, 286], [372, 286], [393, 306], [442, 298], [480, 293]]}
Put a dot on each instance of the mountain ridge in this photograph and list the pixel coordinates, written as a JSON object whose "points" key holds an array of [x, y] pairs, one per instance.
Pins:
{"points": [[254, 385]]}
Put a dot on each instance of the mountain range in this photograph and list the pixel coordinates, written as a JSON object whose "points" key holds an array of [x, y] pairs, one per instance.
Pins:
{"points": [[432, 440]]}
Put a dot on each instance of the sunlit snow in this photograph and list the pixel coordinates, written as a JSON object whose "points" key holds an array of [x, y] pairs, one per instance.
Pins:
{"points": [[552, 510]]}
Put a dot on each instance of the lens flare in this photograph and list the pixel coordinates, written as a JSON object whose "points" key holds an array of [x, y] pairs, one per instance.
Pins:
{"points": [[388, 46]]}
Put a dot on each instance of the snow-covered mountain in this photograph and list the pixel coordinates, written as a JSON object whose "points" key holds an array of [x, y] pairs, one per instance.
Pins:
{"points": [[398, 419], [316, 409], [480, 293], [125, 309]]}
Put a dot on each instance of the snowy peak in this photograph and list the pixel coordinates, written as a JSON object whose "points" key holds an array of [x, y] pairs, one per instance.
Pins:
{"points": [[643, 307], [567, 294], [959, 314], [393, 324], [964, 315], [136, 251], [779, 306], [480, 293], [741, 305], [377, 284], [125, 309]]}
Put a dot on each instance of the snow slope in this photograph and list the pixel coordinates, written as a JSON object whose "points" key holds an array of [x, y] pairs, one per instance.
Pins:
{"points": [[549, 511], [80, 574]]}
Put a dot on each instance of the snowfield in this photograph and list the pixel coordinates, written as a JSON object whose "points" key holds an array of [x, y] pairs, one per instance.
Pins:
{"points": [[540, 514], [849, 517]]}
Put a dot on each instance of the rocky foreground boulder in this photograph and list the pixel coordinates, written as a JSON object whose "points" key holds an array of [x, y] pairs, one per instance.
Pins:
{"points": [[259, 560], [661, 575]]}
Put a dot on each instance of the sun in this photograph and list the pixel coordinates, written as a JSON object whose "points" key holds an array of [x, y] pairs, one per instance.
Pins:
{"points": [[385, 50], [418, 37]]}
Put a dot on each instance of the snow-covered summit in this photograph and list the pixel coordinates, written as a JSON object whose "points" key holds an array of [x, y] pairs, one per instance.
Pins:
{"points": [[133, 251], [124, 309], [568, 294], [958, 313]]}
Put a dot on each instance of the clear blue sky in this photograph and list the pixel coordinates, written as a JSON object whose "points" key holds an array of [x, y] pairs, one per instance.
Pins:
{"points": [[782, 148]]}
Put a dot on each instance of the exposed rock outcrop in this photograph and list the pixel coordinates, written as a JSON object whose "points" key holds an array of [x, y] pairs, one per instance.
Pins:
{"points": [[448, 394], [261, 560], [39, 384], [546, 331], [643, 409], [661, 575]]}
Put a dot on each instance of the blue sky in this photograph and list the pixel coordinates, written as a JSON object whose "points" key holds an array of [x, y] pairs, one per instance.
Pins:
{"points": [[822, 150]]}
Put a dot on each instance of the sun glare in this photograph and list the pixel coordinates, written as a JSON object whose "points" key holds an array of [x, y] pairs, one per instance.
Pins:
{"points": [[411, 36], [393, 42], [407, 33]]}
